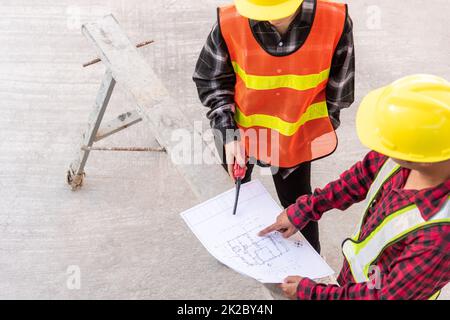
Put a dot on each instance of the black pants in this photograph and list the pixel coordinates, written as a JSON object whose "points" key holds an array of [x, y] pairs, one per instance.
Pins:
{"points": [[289, 189]]}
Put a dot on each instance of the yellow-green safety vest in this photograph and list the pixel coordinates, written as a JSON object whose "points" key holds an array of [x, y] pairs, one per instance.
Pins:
{"points": [[362, 254]]}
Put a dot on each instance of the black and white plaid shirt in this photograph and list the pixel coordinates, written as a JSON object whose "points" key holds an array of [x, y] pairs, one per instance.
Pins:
{"points": [[215, 77]]}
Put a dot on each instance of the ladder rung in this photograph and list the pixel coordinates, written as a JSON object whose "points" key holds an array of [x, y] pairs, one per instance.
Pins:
{"points": [[119, 123], [129, 149]]}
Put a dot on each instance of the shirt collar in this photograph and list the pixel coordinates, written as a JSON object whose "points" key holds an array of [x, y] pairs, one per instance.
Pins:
{"points": [[429, 201]]}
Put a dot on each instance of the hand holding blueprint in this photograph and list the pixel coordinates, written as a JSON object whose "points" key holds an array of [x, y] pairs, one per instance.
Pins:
{"points": [[234, 240]]}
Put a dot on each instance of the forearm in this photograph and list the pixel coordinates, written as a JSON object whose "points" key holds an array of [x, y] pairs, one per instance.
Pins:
{"points": [[222, 121], [310, 290], [391, 288], [350, 188]]}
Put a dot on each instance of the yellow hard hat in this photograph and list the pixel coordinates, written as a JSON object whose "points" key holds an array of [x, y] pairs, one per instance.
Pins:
{"points": [[408, 120], [265, 10]]}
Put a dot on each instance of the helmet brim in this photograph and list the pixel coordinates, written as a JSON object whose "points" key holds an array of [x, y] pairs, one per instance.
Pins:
{"points": [[267, 13]]}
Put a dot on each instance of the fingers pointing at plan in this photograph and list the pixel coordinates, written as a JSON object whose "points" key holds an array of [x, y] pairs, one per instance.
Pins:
{"points": [[283, 225]]}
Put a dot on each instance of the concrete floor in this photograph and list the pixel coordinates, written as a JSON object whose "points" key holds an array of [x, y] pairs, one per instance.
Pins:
{"points": [[123, 230]]}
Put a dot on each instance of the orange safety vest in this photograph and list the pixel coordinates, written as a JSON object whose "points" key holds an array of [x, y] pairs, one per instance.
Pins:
{"points": [[281, 108]]}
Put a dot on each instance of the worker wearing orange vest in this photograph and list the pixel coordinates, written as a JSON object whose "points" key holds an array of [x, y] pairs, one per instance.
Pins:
{"points": [[280, 97]]}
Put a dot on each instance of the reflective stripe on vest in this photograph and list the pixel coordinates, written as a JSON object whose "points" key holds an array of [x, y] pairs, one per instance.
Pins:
{"points": [[283, 97], [385, 173], [315, 111], [360, 255], [291, 81]]}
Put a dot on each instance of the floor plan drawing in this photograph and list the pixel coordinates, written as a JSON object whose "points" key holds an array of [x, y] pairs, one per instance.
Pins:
{"points": [[254, 250], [234, 240]]}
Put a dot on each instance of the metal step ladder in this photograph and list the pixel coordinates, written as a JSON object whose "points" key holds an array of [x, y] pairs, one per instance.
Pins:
{"points": [[153, 105]]}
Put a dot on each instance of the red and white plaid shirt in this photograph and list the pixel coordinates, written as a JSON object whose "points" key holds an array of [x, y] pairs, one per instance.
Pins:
{"points": [[416, 267]]}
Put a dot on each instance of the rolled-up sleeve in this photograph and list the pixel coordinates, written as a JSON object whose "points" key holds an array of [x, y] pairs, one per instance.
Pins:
{"points": [[341, 83], [215, 80]]}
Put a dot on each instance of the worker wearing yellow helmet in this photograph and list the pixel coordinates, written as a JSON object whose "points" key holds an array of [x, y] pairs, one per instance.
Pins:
{"points": [[400, 249], [275, 75]]}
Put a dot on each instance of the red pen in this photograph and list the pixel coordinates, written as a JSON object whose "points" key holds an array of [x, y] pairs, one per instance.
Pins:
{"points": [[239, 174]]}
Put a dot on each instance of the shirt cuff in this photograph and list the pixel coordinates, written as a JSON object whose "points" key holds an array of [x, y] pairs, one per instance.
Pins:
{"points": [[305, 288], [228, 134], [297, 216]]}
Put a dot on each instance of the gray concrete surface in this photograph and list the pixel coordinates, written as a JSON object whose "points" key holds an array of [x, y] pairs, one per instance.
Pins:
{"points": [[123, 229]]}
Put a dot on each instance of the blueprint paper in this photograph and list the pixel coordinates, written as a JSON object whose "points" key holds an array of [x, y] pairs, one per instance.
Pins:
{"points": [[234, 240]]}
